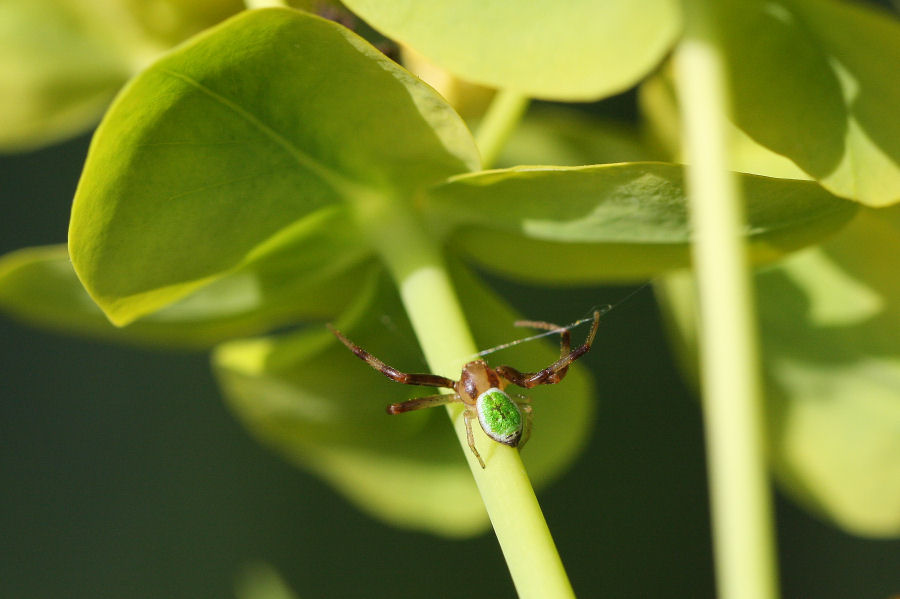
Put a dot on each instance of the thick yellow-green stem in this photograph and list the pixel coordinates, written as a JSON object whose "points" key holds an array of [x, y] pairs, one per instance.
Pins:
{"points": [[732, 396], [440, 325]]}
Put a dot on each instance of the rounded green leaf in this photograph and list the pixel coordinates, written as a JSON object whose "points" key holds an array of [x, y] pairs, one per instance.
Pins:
{"points": [[577, 50], [616, 221], [241, 136], [314, 401], [38, 285], [830, 327], [816, 81]]}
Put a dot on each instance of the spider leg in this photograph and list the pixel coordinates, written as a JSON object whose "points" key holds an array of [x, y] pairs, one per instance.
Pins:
{"points": [[564, 336], [528, 411], [467, 418], [556, 371], [428, 380], [565, 339], [422, 402]]}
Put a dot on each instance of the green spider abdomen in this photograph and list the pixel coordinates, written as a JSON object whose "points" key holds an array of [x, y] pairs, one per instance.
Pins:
{"points": [[500, 417]]}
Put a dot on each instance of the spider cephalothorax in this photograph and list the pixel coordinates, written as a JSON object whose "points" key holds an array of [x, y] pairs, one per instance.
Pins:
{"points": [[481, 388]]}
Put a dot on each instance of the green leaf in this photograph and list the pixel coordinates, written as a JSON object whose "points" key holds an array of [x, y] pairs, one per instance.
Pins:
{"points": [[58, 71], [577, 50], [816, 82], [244, 135], [830, 321], [660, 110], [609, 222], [314, 401], [62, 61], [38, 285]]}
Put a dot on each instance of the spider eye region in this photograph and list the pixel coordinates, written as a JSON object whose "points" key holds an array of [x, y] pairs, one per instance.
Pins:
{"points": [[500, 417]]}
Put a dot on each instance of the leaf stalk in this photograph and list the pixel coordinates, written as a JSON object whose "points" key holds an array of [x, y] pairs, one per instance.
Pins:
{"points": [[428, 295], [503, 114]]}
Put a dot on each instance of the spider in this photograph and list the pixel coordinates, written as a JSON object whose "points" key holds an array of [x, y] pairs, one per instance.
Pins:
{"points": [[480, 387]]}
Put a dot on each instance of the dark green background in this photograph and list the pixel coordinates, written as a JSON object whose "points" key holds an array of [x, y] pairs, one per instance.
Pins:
{"points": [[124, 476]]}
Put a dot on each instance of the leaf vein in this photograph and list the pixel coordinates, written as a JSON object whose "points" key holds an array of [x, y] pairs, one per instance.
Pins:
{"points": [[334, 179]]}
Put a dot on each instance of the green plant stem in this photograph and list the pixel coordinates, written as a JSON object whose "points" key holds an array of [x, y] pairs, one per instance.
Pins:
{"points": [[502, 116], [440, 325], [732, 396]]}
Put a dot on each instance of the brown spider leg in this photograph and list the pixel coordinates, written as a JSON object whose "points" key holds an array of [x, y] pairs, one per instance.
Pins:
{"points": [[422, 402], [548, 326], [553, 373], [428, 380], [564, 336], [467, 418]]}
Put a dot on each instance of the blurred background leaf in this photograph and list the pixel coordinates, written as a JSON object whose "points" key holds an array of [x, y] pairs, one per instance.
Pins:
{"points": [[662, 131], [831, 334], [831, 353], [261, 581], [580, 50], [562, 136], [38, 285], [831, 108], [62, 61]]}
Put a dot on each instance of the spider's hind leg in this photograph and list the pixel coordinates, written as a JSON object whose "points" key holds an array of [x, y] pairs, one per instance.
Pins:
{"points": [[467, 417], [420, 403], [528, 413]]}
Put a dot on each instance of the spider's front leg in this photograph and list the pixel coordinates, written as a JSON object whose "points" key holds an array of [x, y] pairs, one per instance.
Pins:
{"points": [[565, 339], [429, 380], [564, 336], [425, 379], [556, 371]]}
